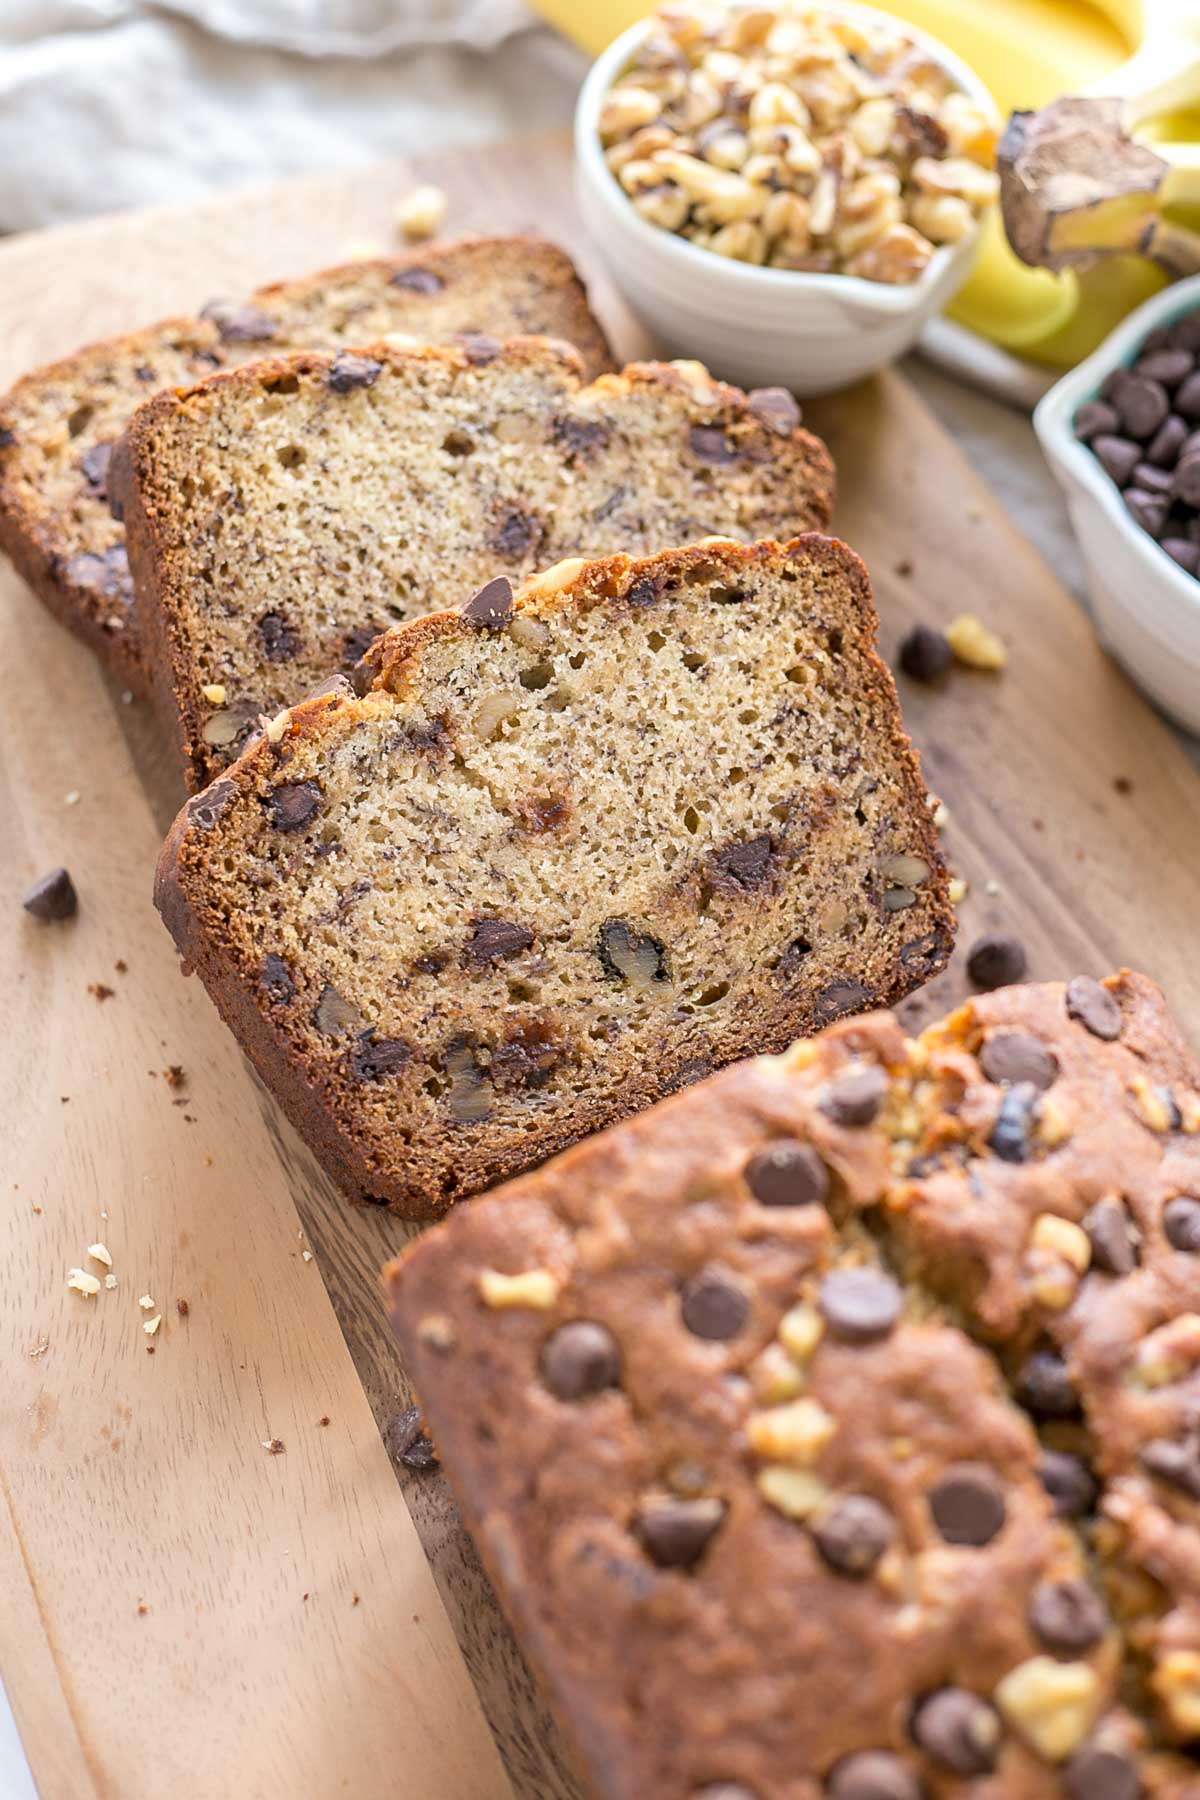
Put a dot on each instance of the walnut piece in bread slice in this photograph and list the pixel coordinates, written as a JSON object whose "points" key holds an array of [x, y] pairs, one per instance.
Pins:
{"points": [[283, 515], [567, 853]]}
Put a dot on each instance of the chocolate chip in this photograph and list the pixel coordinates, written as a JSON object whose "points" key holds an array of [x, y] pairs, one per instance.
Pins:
{"points": [[853, 1533], [713, 1305], [676, 1533], [373, 1058], [492, 606], [1010, 1136], [1167, 366], [1142, 405], [629, 955], [52, 898], [1181, 1222], [580, 437], [1093, 1007], [280, 641], [348, 371], [8, 437], [642, 592], [580, 1359], [107, 575], [1045, 1387], [1093, 418], [1184, 552], [1178, 1464], [855, 1095], [1111, 1235], [1185, 332], [530, 1050], [968, 1505], [478, 347], [516, 534], [1070, 1484], [710, 444], [1150, 510], [276, 979], [1011, 1057], [1153, 480], [357, 642], [959, 1730], [745, 864], [417, 281], [929, 952], [1187, 400], [787, 1173], [1068, 1617], [925, 653], [997, 959], [775, 408], [1168, 440], [1095, 1774], [1185, 482], [94, 464], [1116, 378], [294, 804], [873, 1775], [1118, 457], [493, 939], [408, 1442], [239, 324], [840, 997], [860, 1305]]}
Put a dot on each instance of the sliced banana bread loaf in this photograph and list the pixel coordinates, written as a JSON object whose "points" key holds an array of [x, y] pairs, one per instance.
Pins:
{"points": [[570, 851], [772, 1522], [282, 516], [58, 424]]}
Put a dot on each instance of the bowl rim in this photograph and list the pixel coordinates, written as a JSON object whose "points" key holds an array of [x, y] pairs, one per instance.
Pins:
{"points": [[1054, 413], [693, 260]]}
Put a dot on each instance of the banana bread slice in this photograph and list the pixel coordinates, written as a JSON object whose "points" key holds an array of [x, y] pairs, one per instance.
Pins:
{"points": [[58, 424], [570, 851], [282, 516], [746, 1470]]}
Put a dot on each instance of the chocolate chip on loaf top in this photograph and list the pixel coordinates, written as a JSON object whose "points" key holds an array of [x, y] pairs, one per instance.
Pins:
{"points": [[569, 852], [282, 516], [58, 424], [777, 1518]]}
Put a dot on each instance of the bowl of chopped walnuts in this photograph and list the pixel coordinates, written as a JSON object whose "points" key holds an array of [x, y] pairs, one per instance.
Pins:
{"points": [[785, 192]]}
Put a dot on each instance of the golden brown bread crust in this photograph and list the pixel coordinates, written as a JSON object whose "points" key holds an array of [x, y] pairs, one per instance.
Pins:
{"points": [[203, 629], [312, 1089], [54, 524], [753, 1639]]}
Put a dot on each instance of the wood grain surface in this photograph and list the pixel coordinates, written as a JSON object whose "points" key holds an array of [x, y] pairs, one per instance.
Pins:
{"points": [[135, 1481]]}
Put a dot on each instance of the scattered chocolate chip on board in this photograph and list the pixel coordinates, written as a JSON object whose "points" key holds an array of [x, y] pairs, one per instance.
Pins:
{"points": [[428, 471], [60, 509], [52, 898], [1144, 430], [563, 853], [906, 1505]]}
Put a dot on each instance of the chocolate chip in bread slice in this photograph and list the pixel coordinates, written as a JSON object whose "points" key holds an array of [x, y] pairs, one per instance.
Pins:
{"points": [[58, 424], [568, 852], [282, 516]]}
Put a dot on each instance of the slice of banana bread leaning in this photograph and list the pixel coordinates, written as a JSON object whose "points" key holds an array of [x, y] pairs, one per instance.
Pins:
{"points": [[570, 851], [58, 424], [282, 516], [785, 1504]]}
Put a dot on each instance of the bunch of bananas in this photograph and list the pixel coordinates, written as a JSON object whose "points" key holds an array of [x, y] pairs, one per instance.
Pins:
{"points": [[1145, 53]]}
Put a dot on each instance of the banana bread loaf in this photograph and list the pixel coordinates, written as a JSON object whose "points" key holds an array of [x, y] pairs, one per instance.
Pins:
{"points": [[569, 851], [765, 1480], [282, 516], [58, 424]]}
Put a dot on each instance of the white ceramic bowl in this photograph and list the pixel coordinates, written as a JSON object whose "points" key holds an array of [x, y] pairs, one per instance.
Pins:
{"points": [[1146, 608], [757, 327]]}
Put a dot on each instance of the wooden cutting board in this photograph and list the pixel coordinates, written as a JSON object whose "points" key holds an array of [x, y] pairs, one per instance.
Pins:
{"points": [[184, 1608]]}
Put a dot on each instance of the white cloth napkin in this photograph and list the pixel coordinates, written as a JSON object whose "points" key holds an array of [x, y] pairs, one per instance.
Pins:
{"points": [[112, 103]]}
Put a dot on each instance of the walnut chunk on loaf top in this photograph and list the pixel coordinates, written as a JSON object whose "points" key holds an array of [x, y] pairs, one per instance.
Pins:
{"points": [[59, 424], [571, 849], [282, 516], [776, 1520]]}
